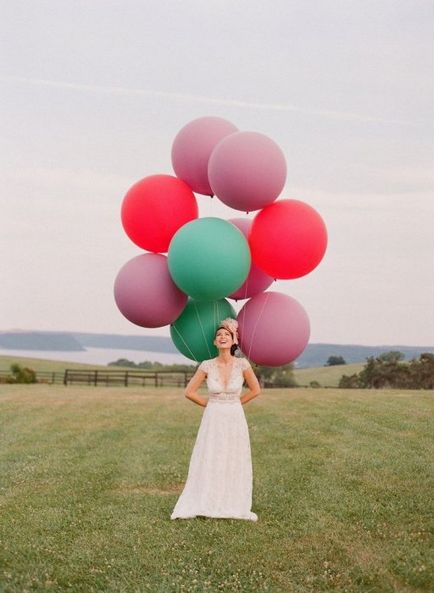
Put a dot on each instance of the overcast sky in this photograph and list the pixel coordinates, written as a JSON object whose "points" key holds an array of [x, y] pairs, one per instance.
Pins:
{"points": [[94, 92]]}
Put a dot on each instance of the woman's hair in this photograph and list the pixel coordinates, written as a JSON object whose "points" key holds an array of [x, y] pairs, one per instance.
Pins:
{"points": [[234, 347]]}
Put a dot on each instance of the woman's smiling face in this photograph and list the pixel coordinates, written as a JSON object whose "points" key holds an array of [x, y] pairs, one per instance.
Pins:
{"points": [[223, 338]]}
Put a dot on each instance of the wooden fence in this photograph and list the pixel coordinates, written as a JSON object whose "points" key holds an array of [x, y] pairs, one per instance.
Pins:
{"points": [[110, 377], [126, 378]]}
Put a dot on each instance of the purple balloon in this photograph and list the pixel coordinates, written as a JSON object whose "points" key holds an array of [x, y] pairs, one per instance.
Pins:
{"points": [[257, 280], [192, 148], [274, 329], [247, 171], [146, 294]]}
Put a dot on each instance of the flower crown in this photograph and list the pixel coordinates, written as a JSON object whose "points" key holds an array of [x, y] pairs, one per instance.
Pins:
{"points": [[232, 326]]}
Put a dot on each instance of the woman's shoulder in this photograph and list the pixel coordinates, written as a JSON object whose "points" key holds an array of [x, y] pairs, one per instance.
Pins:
{"points": [[243, 363], [206, 364]]}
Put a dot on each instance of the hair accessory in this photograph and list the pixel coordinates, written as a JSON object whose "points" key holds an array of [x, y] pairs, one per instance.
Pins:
{"points": [[232, 326]]}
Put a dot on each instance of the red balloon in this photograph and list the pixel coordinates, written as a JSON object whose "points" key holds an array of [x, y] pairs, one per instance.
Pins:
{"points": [[154, 208], [287, 239]]}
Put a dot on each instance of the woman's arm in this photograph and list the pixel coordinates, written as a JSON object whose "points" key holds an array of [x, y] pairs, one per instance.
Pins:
{"points": [[192, 387], [252, 384]]}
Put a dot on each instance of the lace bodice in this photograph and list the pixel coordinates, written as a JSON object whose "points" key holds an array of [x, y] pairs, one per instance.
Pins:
{"points": [[218, 390]]}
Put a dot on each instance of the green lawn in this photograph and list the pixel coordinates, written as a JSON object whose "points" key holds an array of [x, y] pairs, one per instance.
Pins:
{"points": [[89, 477]]}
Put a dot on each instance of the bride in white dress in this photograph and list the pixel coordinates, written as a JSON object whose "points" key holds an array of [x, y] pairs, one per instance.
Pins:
{"points": [[220, 478]]}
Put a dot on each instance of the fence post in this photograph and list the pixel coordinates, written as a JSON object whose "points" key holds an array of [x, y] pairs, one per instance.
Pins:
{"points": [[96, 378], [126, 378]]}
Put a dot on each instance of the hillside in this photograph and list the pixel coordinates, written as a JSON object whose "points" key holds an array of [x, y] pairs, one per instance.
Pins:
{"points": [[315, 355]]}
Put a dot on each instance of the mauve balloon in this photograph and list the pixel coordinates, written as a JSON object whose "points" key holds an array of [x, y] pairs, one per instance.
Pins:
{"points": [[192, 148], [257, 280], [247, 171], [146, 294], [274, 329]]}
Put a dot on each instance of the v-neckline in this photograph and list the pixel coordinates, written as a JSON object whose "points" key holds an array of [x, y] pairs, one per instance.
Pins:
{"points": [[229, 376]]}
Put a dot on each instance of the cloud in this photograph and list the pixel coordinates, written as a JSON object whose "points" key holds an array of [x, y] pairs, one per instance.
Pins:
{"points": [[282, 107]]}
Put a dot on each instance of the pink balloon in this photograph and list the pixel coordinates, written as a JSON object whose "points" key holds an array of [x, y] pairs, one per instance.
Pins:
{"points": [[257, 280], [247, 171], [274, 329], [192, 148], [146, 294]]}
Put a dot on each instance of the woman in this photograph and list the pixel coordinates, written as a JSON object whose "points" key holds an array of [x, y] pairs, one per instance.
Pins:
{"points": [[219, 481]]}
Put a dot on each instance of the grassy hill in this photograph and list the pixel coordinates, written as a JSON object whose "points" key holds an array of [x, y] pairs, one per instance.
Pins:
{"points": [[342, 488], [326, 376], [42, 364]]}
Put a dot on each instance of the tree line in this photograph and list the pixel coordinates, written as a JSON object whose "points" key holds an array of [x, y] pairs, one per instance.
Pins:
{"points": [[282, 376], [389, 370]]}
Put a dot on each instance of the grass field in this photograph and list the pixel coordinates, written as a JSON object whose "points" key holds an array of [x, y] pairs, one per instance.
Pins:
{"points": [[89, 477]]}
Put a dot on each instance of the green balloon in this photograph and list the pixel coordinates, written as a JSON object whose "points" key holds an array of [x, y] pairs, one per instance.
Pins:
{"points": [[194, 330], [209, 258]]}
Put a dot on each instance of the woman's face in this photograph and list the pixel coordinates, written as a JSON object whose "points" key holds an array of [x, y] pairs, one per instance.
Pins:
{"points": [[223, 338]]}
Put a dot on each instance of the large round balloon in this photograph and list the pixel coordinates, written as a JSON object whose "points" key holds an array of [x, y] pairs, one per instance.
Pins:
{"points": [[194, 331], [247, 171], [192, 148], [274, 329], [154, 208], [288, 239], [257, 280], [146, 294], [209, 258]]}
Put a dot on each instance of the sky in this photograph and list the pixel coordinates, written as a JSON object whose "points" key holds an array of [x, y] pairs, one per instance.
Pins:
{"points": [[94, 92]]}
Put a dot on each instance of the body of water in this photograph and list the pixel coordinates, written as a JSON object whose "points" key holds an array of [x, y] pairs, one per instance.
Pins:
{"points": [[100, 356]]}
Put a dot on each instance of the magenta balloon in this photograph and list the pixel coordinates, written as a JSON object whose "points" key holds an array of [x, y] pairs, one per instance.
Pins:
{"points": [[257, 280], [247, 171], [146, 294], [274, 329], [192, 148]]}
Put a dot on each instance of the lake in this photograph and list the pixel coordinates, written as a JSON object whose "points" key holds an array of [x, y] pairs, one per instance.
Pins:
{"points": [[100, 355]]}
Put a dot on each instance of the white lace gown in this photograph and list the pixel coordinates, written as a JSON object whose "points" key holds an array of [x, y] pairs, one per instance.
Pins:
{"points": [[220, 477]]}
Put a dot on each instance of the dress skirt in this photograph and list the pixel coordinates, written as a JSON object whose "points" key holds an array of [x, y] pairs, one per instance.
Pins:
{"points": [[219, 481]]}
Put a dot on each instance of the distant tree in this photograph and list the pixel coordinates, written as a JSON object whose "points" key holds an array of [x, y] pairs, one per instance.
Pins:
{"points": [[22, 374], [391, 357], [122, 362], [334, 360], [349, 382], [422, 370], [389, 370], [147, 365], [314, 384], [282, 376]]}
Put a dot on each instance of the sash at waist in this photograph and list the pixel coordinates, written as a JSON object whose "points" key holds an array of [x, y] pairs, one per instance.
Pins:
{"points": [[224, 398]]}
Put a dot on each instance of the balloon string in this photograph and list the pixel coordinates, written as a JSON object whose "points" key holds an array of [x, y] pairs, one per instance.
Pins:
{"points": [[201, 327], [184, 342], [247, 285], [257, 321]]}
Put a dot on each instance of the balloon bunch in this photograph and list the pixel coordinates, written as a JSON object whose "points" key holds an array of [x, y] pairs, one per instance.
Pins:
{"points": [[210, 260]]}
